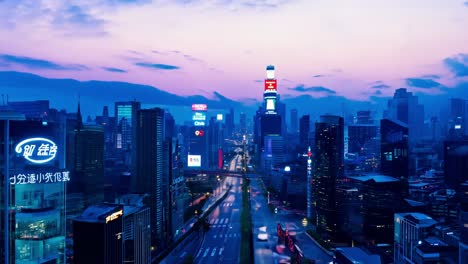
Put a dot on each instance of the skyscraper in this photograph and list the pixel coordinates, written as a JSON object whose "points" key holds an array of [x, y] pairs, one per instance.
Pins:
{"points": [[149, 165], [294, 121], [36, 191], [405, 108], [98, 235], [304, 130], [394, 158], [88, 169], [329, 167], [455, 163], [125, 118]]}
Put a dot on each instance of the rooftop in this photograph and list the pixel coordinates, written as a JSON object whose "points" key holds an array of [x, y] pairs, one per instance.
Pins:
{"points": [[375, 177], [357, 255], [98, 213]]}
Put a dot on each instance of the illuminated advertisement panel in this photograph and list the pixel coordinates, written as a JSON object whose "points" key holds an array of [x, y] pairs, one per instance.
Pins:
{"points": [[198, 116], [199, 123], [270, 85], [270, 104], [219, 117], [194, 161], [199, 107]]}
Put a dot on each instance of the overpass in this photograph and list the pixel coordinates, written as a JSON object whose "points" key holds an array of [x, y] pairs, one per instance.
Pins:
{"points": [[213, 172]]}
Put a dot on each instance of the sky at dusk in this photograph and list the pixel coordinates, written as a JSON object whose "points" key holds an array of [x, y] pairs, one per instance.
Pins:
{"points": [[351, 48]]}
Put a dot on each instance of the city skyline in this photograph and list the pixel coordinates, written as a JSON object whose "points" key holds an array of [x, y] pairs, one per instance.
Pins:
{"points": [[361, 50]]}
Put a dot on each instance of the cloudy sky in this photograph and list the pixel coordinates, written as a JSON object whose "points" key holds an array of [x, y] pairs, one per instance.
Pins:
{"points": [[351, 48]]}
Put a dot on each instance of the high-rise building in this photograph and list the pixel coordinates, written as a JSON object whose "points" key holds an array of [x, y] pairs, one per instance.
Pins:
{"points": [[405, 108], [150, 166], [457, 118], [33, 204], [304, 130], [360, 138], [32, 110], [463, 244], [394, 159], [410, 230], [243, 123], [230, 123], [329, 167], [270, 93], [294, 121], [125, 114], [98, 235], [455, 163], [88, 169], [215, 142], [364, 118], [281, 110]]}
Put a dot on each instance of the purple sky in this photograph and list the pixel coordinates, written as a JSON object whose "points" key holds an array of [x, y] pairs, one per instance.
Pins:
{"points": [[319, 47]]}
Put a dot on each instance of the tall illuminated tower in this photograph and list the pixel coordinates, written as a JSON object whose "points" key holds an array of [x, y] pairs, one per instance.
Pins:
{"points": [[270, 93], [309, 184]]}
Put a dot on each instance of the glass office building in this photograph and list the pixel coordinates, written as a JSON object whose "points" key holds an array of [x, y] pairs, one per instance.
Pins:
{"points": [[37, 189]]}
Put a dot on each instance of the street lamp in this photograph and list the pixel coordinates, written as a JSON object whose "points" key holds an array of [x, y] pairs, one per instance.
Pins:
{"points": [[7, 116]]}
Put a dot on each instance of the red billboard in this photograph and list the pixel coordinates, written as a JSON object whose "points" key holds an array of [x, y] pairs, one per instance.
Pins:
{"points": [[199, 107], [270, 85]]}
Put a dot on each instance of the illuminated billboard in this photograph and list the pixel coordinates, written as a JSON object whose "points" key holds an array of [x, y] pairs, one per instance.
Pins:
{"points": [[199, 133], [194, 161], [199, 107], [199, 123], [270, 104], [219, 117], [198, 116], [37, 150], [270, 85]]}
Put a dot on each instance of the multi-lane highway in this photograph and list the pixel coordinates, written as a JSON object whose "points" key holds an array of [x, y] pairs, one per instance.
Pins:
{"points": [[221, 243]]}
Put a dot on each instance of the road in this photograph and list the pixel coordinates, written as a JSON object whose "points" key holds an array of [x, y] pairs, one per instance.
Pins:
{"points": [[221, 243], [267, 252]]}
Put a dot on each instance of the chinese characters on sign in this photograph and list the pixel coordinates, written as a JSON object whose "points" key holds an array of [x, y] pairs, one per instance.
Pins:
{"points": [[33, 178], [37, 150]]}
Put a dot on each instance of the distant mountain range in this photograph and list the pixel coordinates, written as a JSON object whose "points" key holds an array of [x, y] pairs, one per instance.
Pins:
{"points": [[63, 94]]}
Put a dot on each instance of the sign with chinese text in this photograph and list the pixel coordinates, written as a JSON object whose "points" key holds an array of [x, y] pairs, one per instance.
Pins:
{"points": [[40, 177], [37, 150]]}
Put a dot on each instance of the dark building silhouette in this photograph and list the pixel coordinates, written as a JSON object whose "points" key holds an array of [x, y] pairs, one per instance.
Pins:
{"points": [[329, 167], [404, 107], [150, 166], [394, 159], [32, 110], [455, 162], [88, 169], [230, 123], [381, 199], [98, 237], [359, 137], [304, 130], [294, 121]]}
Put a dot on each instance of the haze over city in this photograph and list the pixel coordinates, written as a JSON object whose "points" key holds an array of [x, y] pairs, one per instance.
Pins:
{"points": [[355, 49]]}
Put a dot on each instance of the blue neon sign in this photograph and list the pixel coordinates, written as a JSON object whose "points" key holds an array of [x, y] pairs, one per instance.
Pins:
{"points": [[37, 150]]}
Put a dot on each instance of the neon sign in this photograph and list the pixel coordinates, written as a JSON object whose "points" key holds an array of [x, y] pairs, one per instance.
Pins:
{"points": [[199, 107], [199, 116], [37, 178], [199, 123], [114, 216], [37, 150]]}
